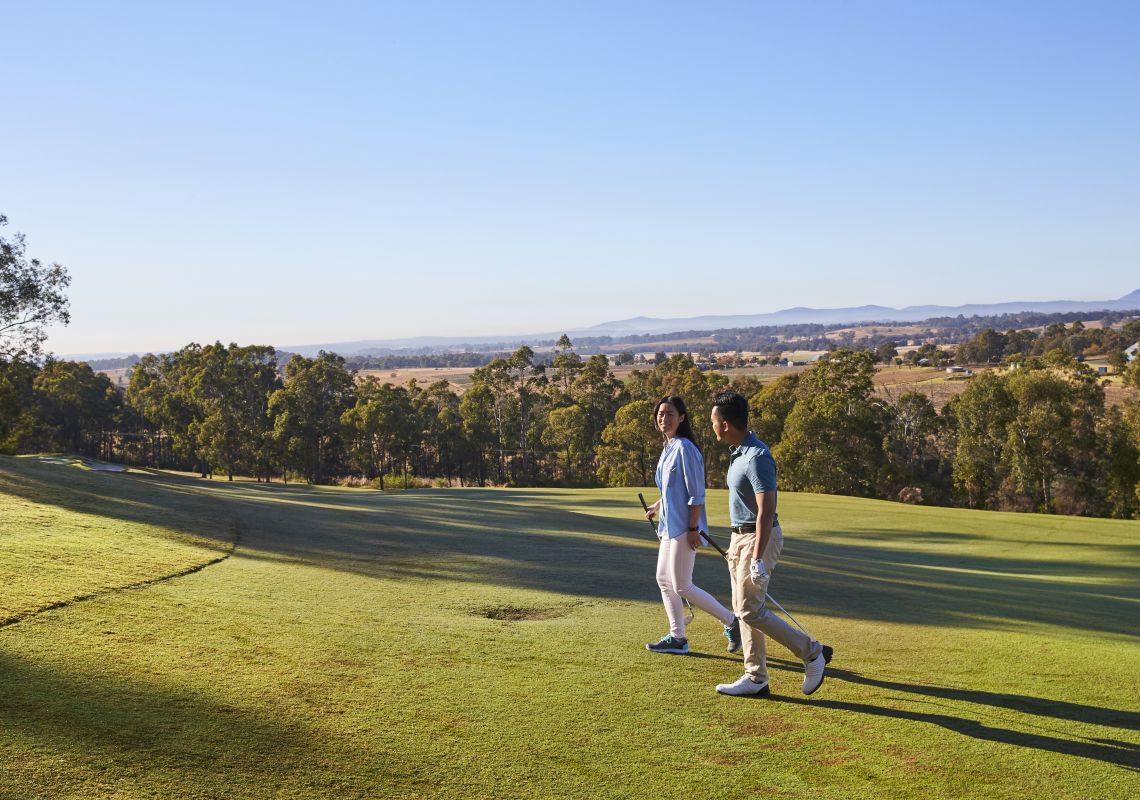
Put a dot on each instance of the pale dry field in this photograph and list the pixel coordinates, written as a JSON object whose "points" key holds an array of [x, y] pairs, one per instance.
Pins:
{"points": [[459, 378], [859, 331], [119, 377]]}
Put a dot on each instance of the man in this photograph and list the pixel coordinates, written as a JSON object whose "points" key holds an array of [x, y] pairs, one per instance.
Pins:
{"points": [[753, 552]]}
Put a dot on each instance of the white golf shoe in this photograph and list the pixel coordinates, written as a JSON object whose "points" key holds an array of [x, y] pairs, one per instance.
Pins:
{"points": [[744, 687], [813, 673]]}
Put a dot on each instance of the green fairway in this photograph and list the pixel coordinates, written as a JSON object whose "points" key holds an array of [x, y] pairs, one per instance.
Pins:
{"points": [[170, 637]]}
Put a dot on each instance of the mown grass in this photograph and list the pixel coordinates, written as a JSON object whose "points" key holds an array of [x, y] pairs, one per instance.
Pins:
{"points": [[488, 643]]}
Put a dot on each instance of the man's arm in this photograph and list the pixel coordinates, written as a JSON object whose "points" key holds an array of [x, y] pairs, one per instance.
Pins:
{"points": [[765, 513]]}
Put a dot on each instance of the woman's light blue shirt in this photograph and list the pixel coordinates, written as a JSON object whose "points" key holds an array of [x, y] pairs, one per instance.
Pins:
{"points": [[681, 479]]}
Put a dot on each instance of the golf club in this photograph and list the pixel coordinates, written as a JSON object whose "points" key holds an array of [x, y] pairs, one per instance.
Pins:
{"points": [[689, 613], [721, 550]]}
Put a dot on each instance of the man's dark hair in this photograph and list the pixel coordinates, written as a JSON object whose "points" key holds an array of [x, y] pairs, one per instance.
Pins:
{"points": [[733, 408]]}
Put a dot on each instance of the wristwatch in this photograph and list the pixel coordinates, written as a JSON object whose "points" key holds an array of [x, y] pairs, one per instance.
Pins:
{"points": [[694, 530]]}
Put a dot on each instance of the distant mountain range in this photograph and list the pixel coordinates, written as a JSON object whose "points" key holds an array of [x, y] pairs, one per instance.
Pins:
{"points": [[788, 316], [655, 326]]}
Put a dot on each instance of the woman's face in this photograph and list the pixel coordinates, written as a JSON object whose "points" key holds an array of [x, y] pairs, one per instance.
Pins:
{"points": [[668, 420]]}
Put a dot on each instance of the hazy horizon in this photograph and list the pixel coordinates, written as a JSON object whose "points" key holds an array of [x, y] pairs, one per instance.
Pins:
{"points": [[477, 338]]}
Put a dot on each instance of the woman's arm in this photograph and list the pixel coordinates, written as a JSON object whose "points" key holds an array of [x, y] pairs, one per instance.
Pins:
{"points": [[693, 467]]}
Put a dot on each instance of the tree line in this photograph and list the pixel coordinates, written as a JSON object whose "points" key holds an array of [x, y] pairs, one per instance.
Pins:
{"points": [[1036, 438]]}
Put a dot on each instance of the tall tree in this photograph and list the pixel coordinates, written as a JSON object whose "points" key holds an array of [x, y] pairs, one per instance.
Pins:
{"points": [[307, 413], [72, 400], [231, 386], [1119, 442], [832, 440], [983, 413], [566, 431], [914, 458], [598, 394], [17, 420], [480, 434], [1051, 442], [437, 410], [565, 363], [631, 446], [770, 407], [31, 298]]}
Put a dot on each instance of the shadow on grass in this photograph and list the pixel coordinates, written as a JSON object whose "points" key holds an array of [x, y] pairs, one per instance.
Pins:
{"points": [[1110, 751], [531, 539], [123, 496], [91, 719]]}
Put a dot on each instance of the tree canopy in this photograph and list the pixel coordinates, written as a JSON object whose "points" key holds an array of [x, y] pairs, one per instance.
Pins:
{"points": [[31, 298]]}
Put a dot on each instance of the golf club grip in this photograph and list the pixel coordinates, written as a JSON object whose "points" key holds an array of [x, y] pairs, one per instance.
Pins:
{"points": [[644, 506]]}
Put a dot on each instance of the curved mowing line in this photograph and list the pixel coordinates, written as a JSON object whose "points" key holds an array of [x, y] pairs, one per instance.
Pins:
{"points": [[16, 619]]}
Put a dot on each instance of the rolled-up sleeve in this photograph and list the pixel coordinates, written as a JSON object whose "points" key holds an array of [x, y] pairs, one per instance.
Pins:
{"points": [[693, 466]]}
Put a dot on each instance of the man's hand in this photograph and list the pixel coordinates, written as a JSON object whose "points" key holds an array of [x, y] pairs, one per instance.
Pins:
{"points": [[759, 573]]}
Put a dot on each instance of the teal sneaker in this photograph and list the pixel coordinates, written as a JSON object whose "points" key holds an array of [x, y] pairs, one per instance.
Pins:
{"points": [[669, 644], [732, 634]]}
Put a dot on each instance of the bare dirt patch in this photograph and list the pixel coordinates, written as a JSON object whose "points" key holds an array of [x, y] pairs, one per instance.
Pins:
{"points": [[766, 726], [517, 613]]}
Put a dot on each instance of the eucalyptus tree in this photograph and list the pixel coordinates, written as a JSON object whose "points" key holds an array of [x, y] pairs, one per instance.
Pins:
{"points": [[161, 391], [481, 436], [17, 420], [232, 386], [381, 427], [832, 438], [516, 388], [1051, 442], [566, 431], [31, 298], [565, 365], [630, 446], [914, 458], [71, 401], [1119, 444], [769, 408], [441, 426], [598, 394], [983, 413], [307, 413]]}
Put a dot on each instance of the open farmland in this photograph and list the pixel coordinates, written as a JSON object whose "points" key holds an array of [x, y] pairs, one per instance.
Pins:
{"points": [[171, 637], [459, 378]]}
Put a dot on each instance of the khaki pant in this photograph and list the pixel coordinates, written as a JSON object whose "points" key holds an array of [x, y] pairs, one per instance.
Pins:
{"points": [[749, 603]]}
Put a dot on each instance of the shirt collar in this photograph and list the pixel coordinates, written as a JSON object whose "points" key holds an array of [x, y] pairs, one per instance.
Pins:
{"points": [[750, 440]]}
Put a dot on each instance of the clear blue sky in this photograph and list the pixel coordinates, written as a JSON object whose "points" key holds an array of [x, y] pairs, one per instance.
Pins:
{"points": [[287, 174]]}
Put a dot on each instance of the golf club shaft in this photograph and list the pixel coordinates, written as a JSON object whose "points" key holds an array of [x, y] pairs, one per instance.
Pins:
{"points": [[772, 600], [716, 546]]}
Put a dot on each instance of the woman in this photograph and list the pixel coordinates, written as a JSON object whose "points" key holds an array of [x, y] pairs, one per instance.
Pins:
{"points": [[681, 479]]}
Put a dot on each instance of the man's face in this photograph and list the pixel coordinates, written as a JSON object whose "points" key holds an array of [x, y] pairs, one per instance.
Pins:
{"points": [[719, 426]]}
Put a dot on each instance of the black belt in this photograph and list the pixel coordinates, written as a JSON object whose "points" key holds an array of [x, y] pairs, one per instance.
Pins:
{"points": [[749, 528]]}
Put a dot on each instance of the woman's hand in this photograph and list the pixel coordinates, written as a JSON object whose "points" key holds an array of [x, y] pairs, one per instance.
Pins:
{"points": [[651, 512], [694, 539]]}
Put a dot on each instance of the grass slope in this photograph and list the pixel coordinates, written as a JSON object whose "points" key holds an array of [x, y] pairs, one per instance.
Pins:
{"points": [[347, 649]]}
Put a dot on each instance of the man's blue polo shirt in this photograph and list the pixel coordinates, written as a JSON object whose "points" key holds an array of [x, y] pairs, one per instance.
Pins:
{"points": [[751, 469]]}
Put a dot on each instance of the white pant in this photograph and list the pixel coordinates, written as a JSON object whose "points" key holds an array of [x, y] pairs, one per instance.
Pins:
{"points": [[675, 560]]}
